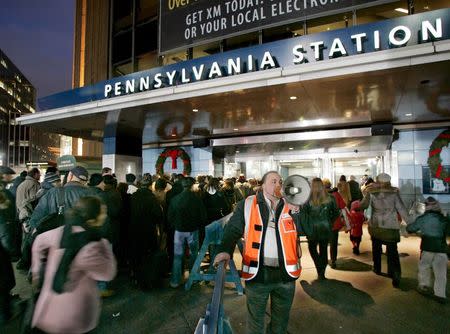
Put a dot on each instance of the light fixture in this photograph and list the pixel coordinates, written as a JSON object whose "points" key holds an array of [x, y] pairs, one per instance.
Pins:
{"points": [[236, 129], [401, 10], [195, 110], [408, 114], [293, 97], [291, 148], [237, 151]]}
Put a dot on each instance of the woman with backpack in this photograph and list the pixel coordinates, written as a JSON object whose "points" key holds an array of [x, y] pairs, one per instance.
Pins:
{"points": [[317, 217], [67, 262]]}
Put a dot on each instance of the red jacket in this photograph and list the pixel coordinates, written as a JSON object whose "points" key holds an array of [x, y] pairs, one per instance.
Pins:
{"points": [[356, 220]]}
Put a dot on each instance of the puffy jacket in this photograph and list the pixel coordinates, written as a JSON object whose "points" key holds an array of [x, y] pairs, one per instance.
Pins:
{"points": [[187, 212], [433, 227], [385, 203], [48, 204]]}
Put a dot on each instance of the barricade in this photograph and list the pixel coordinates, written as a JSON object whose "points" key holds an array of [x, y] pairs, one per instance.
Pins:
{"points": [[213, 238], [215, 321]]}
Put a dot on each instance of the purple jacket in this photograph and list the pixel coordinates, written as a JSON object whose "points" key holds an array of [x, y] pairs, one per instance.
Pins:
{"points": [[77, 310]]}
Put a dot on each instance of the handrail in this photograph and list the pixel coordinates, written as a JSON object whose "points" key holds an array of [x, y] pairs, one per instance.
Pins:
{"points": [[214, 310]]}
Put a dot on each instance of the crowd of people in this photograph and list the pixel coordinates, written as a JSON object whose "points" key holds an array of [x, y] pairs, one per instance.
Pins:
{"points": [[67, 232]]}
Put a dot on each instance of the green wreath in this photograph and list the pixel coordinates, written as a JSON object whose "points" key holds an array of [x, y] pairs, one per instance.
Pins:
{"points": [[173, 153], [434, 156]]}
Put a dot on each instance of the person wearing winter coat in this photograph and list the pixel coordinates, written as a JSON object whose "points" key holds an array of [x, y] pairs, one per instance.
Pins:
{"points": [[146, 214], [7, 217], [214, 200], [316, 220], [384, 226], [356, 221], [340, 222], [433, 228], [72, 258], [187, 215], [26, 194], [51, 180]]}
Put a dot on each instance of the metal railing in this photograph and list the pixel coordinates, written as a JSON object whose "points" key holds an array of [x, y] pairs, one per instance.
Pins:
{"points": [[214, 321]]}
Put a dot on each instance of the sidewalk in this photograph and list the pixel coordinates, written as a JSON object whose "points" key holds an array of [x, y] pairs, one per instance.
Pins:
{"points": [[352, 300]]}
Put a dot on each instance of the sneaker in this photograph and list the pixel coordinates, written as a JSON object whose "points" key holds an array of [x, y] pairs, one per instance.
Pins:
{"points": [[440, 300], [333, 264], [396, 282], [377, 271], [424, 290]]}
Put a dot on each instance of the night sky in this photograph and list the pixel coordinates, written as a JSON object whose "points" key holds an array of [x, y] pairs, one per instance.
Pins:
{"points": [[37, 35]]}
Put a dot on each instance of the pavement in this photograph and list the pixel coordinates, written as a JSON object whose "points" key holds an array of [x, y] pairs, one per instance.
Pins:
{"points": [[352, 300]]}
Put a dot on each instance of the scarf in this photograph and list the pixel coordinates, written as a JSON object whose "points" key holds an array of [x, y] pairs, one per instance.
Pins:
{"points": [[72, 243]]}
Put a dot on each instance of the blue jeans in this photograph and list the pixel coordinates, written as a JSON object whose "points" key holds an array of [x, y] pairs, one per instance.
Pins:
{"points": [[179, 240]]}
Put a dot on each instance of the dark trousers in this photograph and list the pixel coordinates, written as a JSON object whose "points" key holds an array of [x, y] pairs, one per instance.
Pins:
{"points": [[393, 259], [320, 257], [334, 245], [5, 305], [356, 241], [281, 297]]}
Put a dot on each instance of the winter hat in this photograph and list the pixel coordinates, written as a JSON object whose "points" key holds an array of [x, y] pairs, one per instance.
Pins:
{"points": [[51, 177], [431, 204], [6, 170], [81, 173], [383, 178]]}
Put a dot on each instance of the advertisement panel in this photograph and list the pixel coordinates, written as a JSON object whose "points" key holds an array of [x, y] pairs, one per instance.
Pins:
{"points": [[185, 23]]}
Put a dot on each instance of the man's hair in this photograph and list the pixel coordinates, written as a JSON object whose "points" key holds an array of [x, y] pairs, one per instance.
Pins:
{"points": [[187, 182], [130, 178], [51, 169], [106, 170], [95, 179], [33, 172], [263, 180], [109, 180]]}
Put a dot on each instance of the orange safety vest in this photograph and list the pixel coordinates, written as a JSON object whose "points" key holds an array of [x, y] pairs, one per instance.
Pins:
{"points": [[253, 240]]}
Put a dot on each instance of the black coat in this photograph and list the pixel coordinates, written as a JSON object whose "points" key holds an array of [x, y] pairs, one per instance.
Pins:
{"points": [[146, 213], [216, 206], [7, 215], [187, 212]]}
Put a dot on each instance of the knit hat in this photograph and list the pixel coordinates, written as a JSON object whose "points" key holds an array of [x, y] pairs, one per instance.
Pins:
{"points": [[383, 178], [431, 204], [81, 173], [6, 170], [51, 177]]}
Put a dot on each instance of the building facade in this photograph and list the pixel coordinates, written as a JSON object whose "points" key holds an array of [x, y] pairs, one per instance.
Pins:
{"points": [[304, 87]]}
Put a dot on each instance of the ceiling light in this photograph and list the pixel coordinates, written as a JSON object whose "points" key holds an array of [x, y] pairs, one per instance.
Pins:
{"points": [[237, 151], [293, 97], [236, 129], [408, 114], [195, 110], [291, 148], [401, 10]]}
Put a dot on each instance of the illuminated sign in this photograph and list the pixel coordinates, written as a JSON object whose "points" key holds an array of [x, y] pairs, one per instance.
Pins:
{"points": [[185, 23], [300, 51]]}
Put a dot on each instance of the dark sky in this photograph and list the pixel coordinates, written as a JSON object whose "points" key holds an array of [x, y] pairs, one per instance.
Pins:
{"points": [[37, 35]]}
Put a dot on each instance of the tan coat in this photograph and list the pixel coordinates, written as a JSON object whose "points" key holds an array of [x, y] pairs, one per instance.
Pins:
{"points": [[78, 309]]}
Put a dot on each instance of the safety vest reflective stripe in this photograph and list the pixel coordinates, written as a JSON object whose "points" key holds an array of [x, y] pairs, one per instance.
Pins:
{"points": [[249, 270], [253, 238]]}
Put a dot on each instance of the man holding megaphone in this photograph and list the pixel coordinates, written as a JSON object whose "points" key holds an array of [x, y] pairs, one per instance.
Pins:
{"points": [[271, 252]]}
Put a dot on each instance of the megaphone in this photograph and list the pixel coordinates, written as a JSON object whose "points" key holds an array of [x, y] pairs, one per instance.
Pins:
{"points": [[296, 190]]}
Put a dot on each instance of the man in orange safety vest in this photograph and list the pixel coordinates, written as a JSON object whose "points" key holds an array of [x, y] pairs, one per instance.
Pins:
{"points": [[271, 253]]}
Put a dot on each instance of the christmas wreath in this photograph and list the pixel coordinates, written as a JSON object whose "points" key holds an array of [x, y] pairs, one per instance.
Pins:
{"points": [[434, 156], [173, 153]]}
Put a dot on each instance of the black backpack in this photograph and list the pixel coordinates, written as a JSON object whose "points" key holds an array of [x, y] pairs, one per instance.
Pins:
{"points": [[53, 220]]}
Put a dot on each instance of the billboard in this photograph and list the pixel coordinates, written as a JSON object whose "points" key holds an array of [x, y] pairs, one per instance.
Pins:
{"points": [[185, 23]]}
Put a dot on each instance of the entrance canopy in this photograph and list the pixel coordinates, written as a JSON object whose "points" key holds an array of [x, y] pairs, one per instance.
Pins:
{"points": [[399, 77]]}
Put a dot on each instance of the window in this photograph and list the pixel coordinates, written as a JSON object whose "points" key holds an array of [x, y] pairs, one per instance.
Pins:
{"points": [[122, 47], [146, 38]]}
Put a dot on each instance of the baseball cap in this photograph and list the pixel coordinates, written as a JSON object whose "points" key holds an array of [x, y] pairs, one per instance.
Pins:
{"points": [[80, 172], [6, 170]]}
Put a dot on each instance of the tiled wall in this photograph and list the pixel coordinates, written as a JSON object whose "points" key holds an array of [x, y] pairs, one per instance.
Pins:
{"points": [[201, 161], [411, 151]]}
